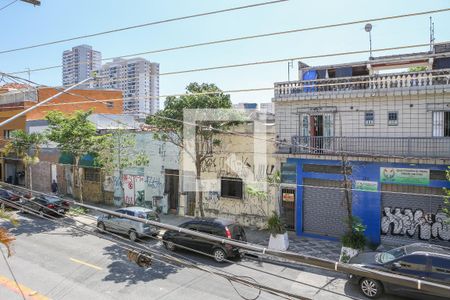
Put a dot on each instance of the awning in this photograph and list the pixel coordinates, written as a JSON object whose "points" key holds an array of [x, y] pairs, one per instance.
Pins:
{"points": [[68, 159]]}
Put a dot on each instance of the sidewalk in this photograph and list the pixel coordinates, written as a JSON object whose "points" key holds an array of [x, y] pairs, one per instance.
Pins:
{"points": [[303, 245], [307, 246]]}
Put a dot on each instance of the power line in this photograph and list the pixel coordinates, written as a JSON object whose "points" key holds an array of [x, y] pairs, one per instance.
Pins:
{"points": [[246, 38], [327, 151], [143, 25], [230, 277], [12, 274], [308, 260], [7, 5]]}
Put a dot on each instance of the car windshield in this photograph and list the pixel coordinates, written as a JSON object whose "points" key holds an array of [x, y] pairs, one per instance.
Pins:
{"points": [[51, 199], [148, 216], [388, 256]]}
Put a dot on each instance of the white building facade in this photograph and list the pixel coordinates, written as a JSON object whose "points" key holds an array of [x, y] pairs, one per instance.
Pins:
{"points": [[138, 79], [78, 64]]}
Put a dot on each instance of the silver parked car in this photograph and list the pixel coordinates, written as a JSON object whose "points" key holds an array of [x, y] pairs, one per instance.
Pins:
{"points": [[133, 229]]}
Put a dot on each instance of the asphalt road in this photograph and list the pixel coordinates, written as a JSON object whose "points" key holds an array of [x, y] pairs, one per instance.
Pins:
{"points": [[52, 261]]}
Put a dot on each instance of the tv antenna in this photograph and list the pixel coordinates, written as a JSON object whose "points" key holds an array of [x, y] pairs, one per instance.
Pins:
{"points": [[368, 28]]}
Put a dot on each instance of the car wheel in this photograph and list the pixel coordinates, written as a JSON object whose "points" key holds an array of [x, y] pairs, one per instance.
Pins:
{"points": [[101, 227], [371, 288], [132, 235], [219, 255], [169, 245]]}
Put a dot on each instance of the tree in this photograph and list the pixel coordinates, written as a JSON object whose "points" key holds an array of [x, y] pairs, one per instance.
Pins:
{"points": [[26, 146], [119, 152], [170, 122], [76, 135]]}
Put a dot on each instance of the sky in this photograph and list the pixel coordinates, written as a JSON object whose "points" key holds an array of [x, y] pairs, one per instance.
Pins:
{"points": [[23, 24]]}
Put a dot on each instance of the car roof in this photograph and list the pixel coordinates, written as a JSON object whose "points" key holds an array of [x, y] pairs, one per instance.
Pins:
{"points": [[137, 209], [224, 222], [427, 248]]}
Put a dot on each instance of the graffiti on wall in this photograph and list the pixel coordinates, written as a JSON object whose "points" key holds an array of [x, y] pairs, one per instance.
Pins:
{"points": [[240, 165], [134, 192], [403, 222]]}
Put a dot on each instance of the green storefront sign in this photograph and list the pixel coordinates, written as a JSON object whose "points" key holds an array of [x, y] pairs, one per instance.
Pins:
{"points": [[366, 186], [405, 176]]}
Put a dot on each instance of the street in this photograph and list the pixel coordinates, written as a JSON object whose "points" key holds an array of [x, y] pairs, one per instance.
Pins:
{"points": [[52, 261]]}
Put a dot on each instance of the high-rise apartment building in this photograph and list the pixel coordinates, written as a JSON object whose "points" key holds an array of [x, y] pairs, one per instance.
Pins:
{"points": [[138, 79], [78, 64]]}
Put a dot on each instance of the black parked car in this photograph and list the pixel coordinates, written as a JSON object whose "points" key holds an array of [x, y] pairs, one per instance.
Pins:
{"points": [[9, 196], [218, 227], [421, 261], [44, 205]]}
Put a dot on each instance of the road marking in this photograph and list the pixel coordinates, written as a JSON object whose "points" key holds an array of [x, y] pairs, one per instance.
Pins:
{"points": [[29, 293], [85, 263]]}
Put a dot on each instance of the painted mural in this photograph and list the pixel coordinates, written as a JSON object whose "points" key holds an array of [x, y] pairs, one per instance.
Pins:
{"points": [[134, 189], [406, 222]]}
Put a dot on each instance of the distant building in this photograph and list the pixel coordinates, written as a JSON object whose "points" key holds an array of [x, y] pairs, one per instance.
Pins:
{"points": [[139, 81], [79, 63], [267, 107], [16, 98], [246, 105]]}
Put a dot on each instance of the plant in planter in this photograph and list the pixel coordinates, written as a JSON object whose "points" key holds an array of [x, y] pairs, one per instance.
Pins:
{"points": [[353, 241], [278, 235]]}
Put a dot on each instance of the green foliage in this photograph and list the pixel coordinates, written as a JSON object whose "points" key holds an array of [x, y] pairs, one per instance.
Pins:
{"points": [[198, 96], [275, 225], [417, 69], [74, 134], [120, 152], [77, 210], [275, 179], [254, 192], [171, 122], [26, 146], [9, 217], [354, 238]]}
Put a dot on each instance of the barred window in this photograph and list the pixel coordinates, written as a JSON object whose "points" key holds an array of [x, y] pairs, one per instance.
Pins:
{"points": [[392, 118], [92, 174], [369, 118]]}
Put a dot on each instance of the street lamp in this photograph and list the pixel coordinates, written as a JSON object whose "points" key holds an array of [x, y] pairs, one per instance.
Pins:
{"points": [[34, 2], [368, 28]]}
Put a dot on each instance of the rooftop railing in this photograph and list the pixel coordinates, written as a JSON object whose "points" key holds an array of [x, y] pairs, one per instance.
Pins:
{"points": [[359, 83], [404, 147]]}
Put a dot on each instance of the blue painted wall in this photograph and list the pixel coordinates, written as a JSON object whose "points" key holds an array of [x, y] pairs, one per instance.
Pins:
{"points": [[366, 205]]}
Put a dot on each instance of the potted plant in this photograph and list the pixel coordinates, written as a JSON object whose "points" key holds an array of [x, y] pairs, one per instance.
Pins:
{"points": [[278, 235], [353, 241]]}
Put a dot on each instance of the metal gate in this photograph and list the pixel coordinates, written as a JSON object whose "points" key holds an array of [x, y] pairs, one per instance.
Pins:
{"points": [[324, 209], [413, 213], [288, 208]]}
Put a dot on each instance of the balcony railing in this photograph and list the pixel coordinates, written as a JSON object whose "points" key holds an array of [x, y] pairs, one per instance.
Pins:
{"points": [[417, 147], [18, 97], [360, 83]]}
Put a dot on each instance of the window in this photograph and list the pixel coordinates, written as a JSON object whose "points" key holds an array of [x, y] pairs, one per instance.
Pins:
{"points": [[413, 263], [91, 174], [7, 134], [392, 118], [369, 118], [231, 187], [441, 123]]}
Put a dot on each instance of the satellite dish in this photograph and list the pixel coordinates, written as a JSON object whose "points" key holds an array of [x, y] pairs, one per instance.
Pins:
{"points": [[368, 27]]}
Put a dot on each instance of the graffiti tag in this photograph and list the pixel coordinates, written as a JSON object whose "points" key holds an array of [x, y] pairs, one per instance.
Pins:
{"points": [[396, 222]]}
